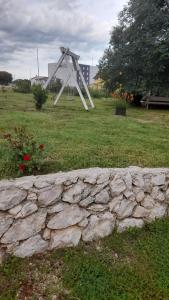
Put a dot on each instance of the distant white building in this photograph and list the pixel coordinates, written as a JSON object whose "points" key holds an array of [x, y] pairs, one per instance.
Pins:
{"points": [[89, 73], [39, 80]]}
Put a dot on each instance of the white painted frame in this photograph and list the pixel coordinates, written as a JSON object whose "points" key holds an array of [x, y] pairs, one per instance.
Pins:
{"points": [[72, 72]]}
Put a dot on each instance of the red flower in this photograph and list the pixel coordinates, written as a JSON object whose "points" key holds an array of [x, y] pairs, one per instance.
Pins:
{"points": [[41, 146], [22, 167], [26, 157]]}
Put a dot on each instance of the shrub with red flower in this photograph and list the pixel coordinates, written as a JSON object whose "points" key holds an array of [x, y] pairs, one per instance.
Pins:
{"points": [[25, 153]]}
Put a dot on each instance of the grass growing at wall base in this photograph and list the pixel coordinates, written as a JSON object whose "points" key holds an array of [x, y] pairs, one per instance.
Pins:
{"points": [[129, 266]]}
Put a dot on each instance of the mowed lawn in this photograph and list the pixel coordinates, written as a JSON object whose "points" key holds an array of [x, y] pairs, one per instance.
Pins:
{"points": [[130, 266], [76, 139]]}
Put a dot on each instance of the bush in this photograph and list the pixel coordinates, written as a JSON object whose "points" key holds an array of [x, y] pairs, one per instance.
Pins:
{"points": [[5, 78], [98, 93], [25, 154], [55, 86], [22, 86], [40, 96]]}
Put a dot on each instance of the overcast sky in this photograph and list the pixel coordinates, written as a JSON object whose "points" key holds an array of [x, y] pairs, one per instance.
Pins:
{"points": [[82, 25]]}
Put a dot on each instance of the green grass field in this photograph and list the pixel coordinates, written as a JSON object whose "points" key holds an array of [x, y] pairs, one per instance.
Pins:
{"points": [[76, 139], [129, 266]]}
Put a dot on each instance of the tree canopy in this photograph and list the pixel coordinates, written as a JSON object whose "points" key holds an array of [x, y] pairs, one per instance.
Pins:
{"points": [[138, 52], [5, 78]]}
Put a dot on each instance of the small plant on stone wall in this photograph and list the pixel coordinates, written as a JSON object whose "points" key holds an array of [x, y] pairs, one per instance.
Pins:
{"points": [[25, 154]]}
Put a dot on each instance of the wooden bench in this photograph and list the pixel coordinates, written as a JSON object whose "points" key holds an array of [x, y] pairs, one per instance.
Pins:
{"points": [[154, 100]]}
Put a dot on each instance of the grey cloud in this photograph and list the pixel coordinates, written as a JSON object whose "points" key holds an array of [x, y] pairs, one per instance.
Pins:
{"points": [[25, 25]]}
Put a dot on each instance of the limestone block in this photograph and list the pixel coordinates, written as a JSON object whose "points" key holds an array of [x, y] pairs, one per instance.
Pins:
{"points": [[25, 183], [141, 212], [157, 194], [116, 201], [15, 210], [129, 223], [117, 186], [50, 196], [56, 208], [32, 197], [25, 228], [5, 222], [47, 234], [68, 217], [98, 227], [124, 208], [86, 202], [97, 207], [31, 246], [28, 209], [12, 197], [140, 196], [148, 202], [103, 197], [158, 179], [68, 237], [74, 194], [157, 212], [138, 180], [128, 180]]}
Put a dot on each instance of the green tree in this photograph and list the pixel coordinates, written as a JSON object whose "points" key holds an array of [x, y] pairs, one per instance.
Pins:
{"points": [[138, 53], [5, 78], [55, 86], [40, 96], [22, 85]]}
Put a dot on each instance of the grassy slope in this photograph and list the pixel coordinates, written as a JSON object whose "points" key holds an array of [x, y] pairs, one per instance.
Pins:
{"points": [[79, 139], [129, 266]]}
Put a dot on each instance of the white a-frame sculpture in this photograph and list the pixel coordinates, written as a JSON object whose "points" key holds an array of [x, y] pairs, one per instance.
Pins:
{"points": [[73, 71]]}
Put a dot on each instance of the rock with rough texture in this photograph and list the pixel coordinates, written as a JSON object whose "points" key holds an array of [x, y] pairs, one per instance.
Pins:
{"points": [[31, 246], [103, 197], [97, 207], [140, 196], [57, 208], [83, 223], [157, 212], [129, 223], [70, 216], [148, 202], [74, 194], [86, 202], [68, 237], [12, 197], [158, 179], [25, 228], [25, 183], [32, 197], [98, 188], [138, 180], [157, 194], [50, 196], [124, 208], [117, 186], [98, 227], [167, 196], [15, 210], [128, 180], [116, 201], [28, 209], [141, 212], [5, 222]]}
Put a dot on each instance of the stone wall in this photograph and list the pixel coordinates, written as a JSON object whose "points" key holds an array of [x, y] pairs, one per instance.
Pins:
{"points": [[58, 210]]}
